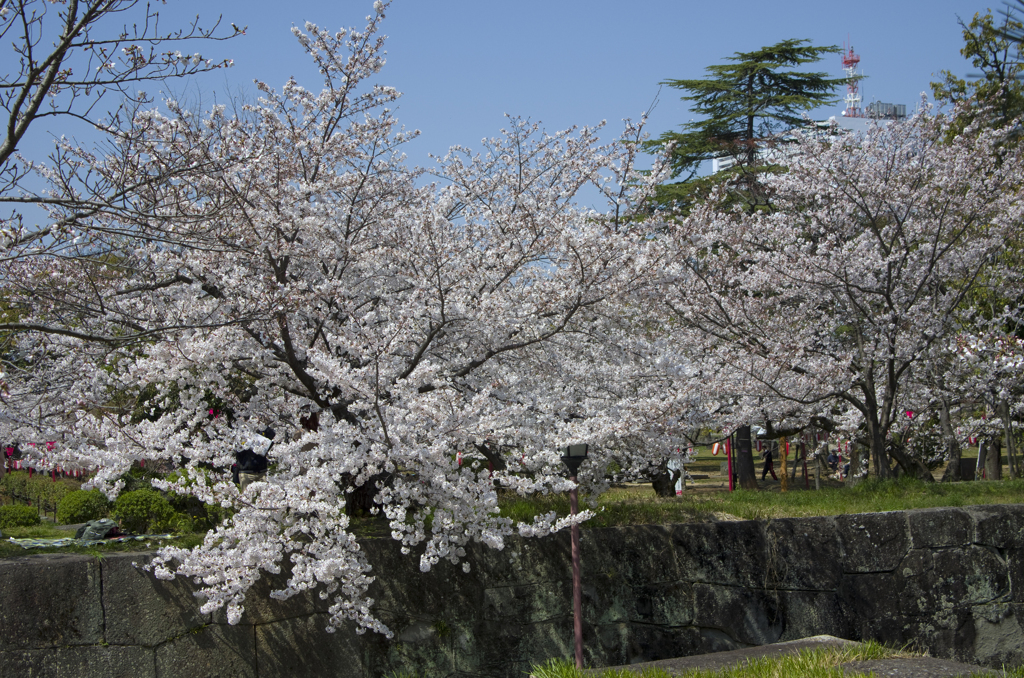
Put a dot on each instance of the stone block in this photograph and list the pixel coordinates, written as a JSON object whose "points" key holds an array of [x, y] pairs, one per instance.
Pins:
{"points": [[607, 597], [419, 647], [50, 601], [873, 542], [636, 555], [668, 604], [260, 608], [983, 573], [729, 554], [521, 561], [935, 583], [998, 635], [812, 613], [62, 662], [717, 640], [149, 610], [870, 597], [214, 650], [1000, 525], [1015, 569], [299, 647], [750, 617], [650, 643], [501, 648], [529, 603], [802, 553], [445, 592], [939, 527], [612, 642]]}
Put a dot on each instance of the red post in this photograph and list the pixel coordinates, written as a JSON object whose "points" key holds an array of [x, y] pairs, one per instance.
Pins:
{"points": [[577, 589], [728, 457]]}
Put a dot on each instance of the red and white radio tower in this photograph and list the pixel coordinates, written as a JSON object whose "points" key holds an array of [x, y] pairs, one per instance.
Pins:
{"points": [[852, 99]]}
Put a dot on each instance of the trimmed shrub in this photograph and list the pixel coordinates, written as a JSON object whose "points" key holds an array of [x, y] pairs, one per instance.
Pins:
{"points": [[81, 506], [193, 514], [141, 511], [18, 516]]}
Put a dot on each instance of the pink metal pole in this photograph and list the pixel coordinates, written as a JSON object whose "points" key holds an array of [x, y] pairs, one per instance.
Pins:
{"points": [[728, 456], [577, 589]]}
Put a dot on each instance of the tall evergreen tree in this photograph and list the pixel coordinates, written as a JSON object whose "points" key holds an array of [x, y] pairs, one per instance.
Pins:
{"points": [[742, 105]]}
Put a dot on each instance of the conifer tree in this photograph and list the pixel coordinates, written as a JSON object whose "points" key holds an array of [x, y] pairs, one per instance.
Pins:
{"points": [[742, 105]]}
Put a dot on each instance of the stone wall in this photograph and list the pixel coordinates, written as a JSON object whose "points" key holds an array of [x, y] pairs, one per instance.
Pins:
{"points": [[950, 581]]}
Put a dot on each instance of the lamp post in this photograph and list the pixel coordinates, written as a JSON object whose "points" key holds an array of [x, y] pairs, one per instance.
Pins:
{"points": [[573, 457]]}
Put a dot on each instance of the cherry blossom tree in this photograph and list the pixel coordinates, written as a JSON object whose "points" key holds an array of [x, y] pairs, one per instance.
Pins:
{"points": [[825, 310], [293, 272], [84, 64]]}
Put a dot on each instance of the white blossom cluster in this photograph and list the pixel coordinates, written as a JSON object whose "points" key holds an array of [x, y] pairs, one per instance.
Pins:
{"points": [[847, 305], [281, 264], [423, 340]]}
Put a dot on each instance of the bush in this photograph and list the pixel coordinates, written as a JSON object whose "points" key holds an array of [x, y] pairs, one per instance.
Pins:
{"points": [[193, 514], [143, 511], [81, 506], [18, 516]]}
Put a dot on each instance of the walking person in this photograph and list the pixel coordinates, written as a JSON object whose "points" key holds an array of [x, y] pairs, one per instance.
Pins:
{"points": [[769, 465]]}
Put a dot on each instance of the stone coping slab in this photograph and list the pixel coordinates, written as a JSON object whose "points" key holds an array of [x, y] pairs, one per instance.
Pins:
{"points": [[914, 667], [721, 660]]}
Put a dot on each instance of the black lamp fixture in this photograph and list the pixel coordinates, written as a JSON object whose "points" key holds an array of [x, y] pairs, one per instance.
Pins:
{"points": [[574, 456]]}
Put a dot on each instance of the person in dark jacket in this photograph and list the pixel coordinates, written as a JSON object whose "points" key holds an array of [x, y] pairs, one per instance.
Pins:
{"points": [[249, 466], [769, 464]]}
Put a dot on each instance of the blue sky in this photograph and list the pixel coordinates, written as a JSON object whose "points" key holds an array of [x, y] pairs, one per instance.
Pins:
{"points": [[463, 64]]}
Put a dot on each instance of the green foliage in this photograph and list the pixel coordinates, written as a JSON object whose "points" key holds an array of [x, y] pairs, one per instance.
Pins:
{"points": [[192, 514], [155, 400], [139, 478], [18, 516], [41, 490], [81, 506], [997, 50], [742, 105], [145, 510]]}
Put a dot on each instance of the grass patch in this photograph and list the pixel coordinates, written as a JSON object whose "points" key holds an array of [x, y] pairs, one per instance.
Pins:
{"points": [[49, 531], [868, 497], [638, 505], [817, 663]]}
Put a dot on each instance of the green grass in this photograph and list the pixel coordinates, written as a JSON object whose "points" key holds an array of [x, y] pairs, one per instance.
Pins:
{"points": [[817, 663], [640, 506]]}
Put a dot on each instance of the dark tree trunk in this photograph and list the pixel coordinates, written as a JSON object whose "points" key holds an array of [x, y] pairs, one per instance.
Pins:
{"points": [[909, 465], [359, 502], [856, 452], [1011, 444], [994, 460], [952, 472], [744, 459], [878, 452], [982, 459]]}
